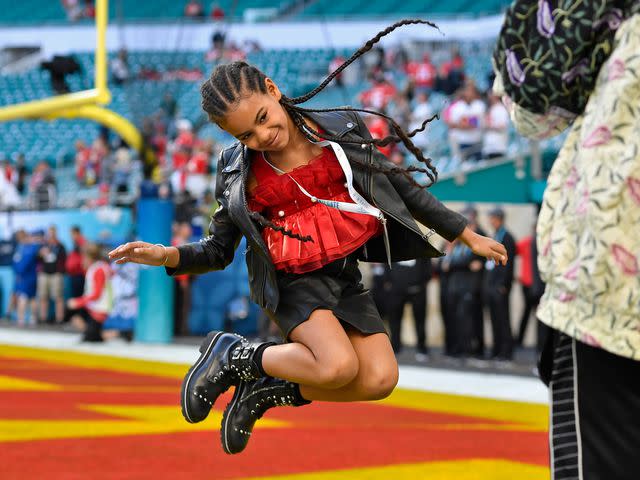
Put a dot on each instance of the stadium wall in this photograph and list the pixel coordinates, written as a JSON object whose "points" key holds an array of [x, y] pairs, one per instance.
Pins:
{"points": [[68, 38]]}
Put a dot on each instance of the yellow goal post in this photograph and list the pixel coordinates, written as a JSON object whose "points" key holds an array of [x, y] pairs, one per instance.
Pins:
{"points": [[87, 104]]}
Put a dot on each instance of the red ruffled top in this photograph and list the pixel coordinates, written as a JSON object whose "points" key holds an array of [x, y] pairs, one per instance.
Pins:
{"points": [[335, 233]]}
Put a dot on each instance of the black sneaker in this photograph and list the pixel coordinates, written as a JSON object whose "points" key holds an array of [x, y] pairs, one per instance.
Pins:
{"points": [[198, 393], [249, 403]]}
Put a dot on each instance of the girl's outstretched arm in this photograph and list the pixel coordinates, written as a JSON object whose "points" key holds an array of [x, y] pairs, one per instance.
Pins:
{"points": [[214, 252]]}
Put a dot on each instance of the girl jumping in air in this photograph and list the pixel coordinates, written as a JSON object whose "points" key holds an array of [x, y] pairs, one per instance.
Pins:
{"points": [[312, 195]]}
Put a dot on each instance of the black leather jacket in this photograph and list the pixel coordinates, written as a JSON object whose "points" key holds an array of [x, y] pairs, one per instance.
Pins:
{"points": [[394, 195]]}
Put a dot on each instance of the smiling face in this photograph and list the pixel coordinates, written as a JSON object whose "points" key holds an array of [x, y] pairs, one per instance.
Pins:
{"points": [[259, 121]]}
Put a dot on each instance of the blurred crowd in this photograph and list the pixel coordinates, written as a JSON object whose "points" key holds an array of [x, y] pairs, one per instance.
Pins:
{"points": [[478, 123], [469, 287], [76, 286]]}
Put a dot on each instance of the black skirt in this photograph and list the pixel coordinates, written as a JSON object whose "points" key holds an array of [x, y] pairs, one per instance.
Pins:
{"points": [[337, 287]]}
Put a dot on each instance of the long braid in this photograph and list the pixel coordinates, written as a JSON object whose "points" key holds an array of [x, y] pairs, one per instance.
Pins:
{"points": [[312, 135], [361, 51], [229, 83], [401, 136]]}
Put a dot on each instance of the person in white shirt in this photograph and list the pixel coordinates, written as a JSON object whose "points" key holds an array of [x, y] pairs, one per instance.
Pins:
{"points": [[421, 111], [496, 129], [466, 118]]}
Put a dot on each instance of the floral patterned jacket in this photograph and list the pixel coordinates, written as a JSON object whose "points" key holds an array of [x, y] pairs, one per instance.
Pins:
{"points": [[589, 225]]}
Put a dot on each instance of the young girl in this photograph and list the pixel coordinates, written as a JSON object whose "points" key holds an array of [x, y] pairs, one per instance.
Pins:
{"points": [[312, 195]]}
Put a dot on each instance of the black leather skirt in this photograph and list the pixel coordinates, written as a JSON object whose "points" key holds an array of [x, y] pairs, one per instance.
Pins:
{"points": [[337, 287]]}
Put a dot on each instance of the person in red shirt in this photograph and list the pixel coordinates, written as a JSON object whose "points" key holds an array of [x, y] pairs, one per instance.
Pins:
{"points": [[423, 74], [524, 251], [193, 9], [89, 311], [295, 185], [74, 264], [217, 13]]}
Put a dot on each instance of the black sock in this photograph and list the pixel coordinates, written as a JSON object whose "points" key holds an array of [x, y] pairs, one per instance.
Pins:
{"points": [[300, 400], [257, 357]]}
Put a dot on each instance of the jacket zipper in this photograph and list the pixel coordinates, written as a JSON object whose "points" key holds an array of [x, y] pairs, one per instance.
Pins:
{"points": [[244, 201]]}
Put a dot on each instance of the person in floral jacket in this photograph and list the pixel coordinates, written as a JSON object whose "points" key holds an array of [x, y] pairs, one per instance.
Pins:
{"points": [[589, 247]]}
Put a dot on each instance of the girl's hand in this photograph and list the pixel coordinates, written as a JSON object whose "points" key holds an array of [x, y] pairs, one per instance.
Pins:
{"points": [[72, 304], [140, 252], [484, 246]]}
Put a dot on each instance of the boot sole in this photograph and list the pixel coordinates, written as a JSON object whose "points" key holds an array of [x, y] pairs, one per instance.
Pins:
{"points": [[237, 394], [205, 348]]}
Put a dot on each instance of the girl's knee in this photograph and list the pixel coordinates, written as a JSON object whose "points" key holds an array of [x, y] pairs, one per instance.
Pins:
{"points": [[380, 382], [338, 371]]}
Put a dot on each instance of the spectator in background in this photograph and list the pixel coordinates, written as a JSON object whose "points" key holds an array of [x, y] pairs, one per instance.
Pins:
{"points": [[524, 249], [217, 49], [9, 196], [442, 268], [121, 172], [121, 319], [52, 258], [421, 112], [74, 265], [89, 9], [73, 8], [82, 161], [42, 187], [217, 13], [465, 121], [477, 276], [379, 94], [120, 72], [379, 128], [89, 311], [422, 74], [498, 282], [496, 129], [464, 266], [25, 269], [22, 173], [182, 305], [407, 283], [336, 62], [400, 110], [194, 9], [451, 74], [169, 106]]}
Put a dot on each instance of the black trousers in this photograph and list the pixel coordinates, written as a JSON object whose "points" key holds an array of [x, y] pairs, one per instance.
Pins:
{"points": [[595, 411], [529, 305], [498, 303], [477, 319], [460, 307], [93, 328], [417, 296]]}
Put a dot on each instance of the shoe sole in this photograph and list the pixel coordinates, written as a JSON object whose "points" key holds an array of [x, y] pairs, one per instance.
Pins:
{"points": [[205, 348], [226, 416]]}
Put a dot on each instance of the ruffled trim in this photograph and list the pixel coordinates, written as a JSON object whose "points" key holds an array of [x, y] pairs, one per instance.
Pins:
{"points": [[335, 234]]}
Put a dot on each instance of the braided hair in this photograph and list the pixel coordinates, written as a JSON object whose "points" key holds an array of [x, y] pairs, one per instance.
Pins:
{"points": [[230, 83]]}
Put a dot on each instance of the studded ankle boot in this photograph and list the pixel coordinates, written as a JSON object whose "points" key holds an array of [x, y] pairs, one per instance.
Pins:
{"points": [[225, 359], [249, 403]]}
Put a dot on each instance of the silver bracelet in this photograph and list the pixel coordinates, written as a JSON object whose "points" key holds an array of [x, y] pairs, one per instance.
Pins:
{"points": [[166, 254]]}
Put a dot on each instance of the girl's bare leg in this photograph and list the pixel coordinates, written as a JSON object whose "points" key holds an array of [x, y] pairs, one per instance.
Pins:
{"points": [[333, 365]]}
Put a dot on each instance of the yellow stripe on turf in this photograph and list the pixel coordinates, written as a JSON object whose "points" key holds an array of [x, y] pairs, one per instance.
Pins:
{"points": [[533, 415], [8, 383], [453, 470]]}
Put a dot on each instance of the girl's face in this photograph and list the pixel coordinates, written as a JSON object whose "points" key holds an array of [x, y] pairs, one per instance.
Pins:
{"points": [[259, 121]]}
